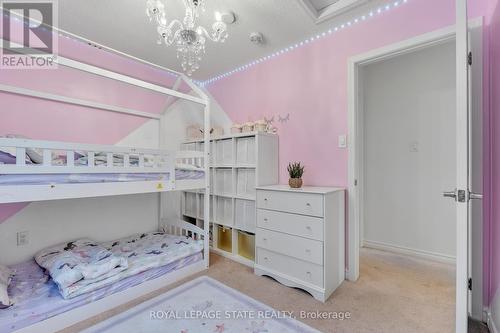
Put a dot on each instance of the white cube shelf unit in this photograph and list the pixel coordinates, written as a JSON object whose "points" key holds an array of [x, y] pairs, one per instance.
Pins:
{"points": [[239, 163]]}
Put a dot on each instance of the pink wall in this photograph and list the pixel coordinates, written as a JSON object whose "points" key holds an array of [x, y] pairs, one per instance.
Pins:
{"points": [[495, 162], [310, 83], [46, 120]]}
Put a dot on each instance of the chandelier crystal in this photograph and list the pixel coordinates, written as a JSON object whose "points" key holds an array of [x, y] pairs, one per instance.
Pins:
{"points": [[186, 36]]}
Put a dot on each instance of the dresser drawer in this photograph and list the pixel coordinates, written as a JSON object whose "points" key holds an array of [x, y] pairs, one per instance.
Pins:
{"points": [[299, 225], [291, 202], [293, 246], [302, 270]]}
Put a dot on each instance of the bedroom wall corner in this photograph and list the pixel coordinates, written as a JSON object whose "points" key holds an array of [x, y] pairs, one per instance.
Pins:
{"points": [[174, 123]]}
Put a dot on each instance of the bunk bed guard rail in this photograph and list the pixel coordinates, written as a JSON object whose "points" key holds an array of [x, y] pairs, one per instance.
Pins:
{"points": [[60, 157]]}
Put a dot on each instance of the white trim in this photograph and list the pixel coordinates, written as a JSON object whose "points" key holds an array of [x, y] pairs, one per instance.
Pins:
{"points": [[386, 52], [476, 111], [428, 255], [75, 101], [462, 302], [87, 311]]}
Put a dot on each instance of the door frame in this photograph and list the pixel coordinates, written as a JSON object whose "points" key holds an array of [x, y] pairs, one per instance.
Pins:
{"points": [[355, 138]]}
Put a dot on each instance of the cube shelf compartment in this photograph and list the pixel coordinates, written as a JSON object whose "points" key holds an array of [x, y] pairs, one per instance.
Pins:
{"points": [[225, 238], [245, 183], [239, 163], [245, 151], [224, 152], [245, 215], [223, 211], [190, 204], [246, 245], [223, 181]]}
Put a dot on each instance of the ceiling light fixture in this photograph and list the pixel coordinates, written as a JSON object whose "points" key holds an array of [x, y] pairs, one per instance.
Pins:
{"points": [[187, 36]]}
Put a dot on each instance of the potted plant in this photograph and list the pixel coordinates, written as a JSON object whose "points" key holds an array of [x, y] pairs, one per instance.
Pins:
{"points": [[295, 170]]}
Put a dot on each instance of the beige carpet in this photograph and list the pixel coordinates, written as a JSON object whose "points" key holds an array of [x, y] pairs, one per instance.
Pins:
{"points": [[394, 294]]}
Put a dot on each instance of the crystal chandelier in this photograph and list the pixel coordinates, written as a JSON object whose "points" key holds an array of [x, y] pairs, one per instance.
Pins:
{"points": [[187, 37]]}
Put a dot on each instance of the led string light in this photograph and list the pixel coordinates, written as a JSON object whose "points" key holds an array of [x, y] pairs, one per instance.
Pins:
{"points": [[320, 35]]}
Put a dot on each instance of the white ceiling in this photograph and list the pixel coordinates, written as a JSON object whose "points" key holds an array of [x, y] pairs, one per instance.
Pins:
{"points": [[123, 25]]}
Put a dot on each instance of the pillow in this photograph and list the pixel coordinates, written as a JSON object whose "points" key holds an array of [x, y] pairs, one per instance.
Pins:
{"points": [[6, 158], [71, 262], [5, 278]]}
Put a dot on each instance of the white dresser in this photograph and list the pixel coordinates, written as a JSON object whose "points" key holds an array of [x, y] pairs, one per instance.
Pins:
{"points": [[300, 237]]}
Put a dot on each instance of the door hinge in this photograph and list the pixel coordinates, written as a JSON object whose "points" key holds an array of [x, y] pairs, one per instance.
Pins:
{"points": [[470, 284], [355, 182], [469, 58]]}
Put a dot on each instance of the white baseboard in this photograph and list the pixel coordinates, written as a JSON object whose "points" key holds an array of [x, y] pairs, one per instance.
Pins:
{"points": [[491, 324], [433, 256]]}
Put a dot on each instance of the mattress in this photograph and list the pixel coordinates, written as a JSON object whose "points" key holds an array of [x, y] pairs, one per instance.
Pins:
{"points": [[37, 298], [46, 179]]}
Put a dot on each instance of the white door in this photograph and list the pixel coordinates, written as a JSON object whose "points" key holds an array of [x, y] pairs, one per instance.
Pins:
{"points": [[461, 193]]}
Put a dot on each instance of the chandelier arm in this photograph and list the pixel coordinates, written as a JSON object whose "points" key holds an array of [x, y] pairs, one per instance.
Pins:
{"points": [[214, 37], [165, 31]]}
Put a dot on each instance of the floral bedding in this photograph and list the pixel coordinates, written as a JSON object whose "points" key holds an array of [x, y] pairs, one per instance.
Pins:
{"points": [[79, 263], [6, 275], [83, 266], [143, 252]]}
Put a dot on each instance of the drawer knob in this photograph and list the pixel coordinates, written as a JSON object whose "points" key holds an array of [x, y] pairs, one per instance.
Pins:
{"points": [[264, 239], [265, 199], [308, 204], [266, 258], [265, 220], [308, 227], [308, 251]]}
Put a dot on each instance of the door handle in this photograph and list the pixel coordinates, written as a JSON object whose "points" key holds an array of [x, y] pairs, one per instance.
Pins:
{"points": [[450, 194], [475, 196], [472, 196]]}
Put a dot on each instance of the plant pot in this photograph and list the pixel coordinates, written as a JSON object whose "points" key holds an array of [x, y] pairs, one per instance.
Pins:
{"points": [[295, 182]]}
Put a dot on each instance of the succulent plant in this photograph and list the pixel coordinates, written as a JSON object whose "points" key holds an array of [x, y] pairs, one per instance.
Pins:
{"points": [[295, 169]]}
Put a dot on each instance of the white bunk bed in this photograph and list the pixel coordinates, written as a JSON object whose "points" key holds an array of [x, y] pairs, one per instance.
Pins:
{"points": [[137, 171]]}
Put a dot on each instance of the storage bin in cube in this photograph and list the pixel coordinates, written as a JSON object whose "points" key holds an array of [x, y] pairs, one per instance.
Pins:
{"points": [[224, 152], [245, 215], [246, 245], [245, 151], [223, 181], [245, 182], [225, 238], [190, 204], [224, 210]]}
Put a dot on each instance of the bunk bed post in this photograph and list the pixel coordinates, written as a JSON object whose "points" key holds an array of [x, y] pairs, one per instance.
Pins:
{"points": [[206, 157]]}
